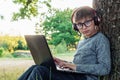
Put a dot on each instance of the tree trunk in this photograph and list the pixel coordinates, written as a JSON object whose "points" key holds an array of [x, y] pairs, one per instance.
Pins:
{"points": [[110, 26]]}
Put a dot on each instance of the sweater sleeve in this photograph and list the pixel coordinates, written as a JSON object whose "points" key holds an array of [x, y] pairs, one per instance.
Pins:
{"points": [[103, 65]]}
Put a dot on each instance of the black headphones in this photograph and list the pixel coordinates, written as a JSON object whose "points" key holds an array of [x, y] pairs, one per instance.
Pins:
{"points": [[95, 18]]}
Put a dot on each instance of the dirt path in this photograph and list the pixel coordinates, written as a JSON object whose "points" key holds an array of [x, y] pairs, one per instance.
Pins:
{"points": [[15, 63]]}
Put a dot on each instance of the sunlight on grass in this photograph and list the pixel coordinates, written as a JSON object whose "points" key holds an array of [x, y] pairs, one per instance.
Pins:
{"points": [[11, 73], [12, 69]]}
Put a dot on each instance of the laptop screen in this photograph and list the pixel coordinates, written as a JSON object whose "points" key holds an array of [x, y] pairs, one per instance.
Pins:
{"points": [[40, 50]]}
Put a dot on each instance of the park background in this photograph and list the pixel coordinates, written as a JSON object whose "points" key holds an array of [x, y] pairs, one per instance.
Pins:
{"points": [[15, 56]]}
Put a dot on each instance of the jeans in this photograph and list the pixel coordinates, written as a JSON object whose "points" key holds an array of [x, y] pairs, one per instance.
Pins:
{"points": [[36, 72]]}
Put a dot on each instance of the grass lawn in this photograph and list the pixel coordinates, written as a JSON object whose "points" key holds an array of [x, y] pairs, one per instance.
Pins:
{"points": [[65, 56], [11, 69]]}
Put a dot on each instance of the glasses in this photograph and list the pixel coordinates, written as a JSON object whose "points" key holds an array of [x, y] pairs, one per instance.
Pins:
{"points": [[86, 23]]}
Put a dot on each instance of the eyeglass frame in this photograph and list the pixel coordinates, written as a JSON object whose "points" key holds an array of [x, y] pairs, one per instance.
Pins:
{"points": [[77, 25]]}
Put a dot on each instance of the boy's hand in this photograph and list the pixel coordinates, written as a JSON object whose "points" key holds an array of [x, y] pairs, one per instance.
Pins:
{"points": [[64, 64]]}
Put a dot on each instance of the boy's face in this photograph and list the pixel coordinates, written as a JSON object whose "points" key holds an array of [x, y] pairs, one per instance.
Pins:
{"points": [[86, 26]]}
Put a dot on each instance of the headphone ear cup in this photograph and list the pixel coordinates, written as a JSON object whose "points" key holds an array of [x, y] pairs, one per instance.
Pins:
{"points": [[75, 27], [96, 20]]}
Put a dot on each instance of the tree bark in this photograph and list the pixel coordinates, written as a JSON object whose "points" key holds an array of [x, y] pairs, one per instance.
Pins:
{"points": [[110, 26]]}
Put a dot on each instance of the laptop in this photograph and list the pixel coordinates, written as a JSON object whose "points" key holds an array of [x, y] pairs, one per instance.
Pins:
{"points": [[41, 53]]}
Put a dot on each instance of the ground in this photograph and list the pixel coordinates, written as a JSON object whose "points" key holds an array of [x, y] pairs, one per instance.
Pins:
{"points": [[6, 63], [13, 68]]}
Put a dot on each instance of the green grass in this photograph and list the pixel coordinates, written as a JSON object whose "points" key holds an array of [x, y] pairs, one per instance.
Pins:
{"points": [[66, 56], [13, 70], [10, 73]]}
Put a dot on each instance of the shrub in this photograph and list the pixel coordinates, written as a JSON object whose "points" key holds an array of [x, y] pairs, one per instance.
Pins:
{"points": [[61, 48], [1, 51], [21, 53]]}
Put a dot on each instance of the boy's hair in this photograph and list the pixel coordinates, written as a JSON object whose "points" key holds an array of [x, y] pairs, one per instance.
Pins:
{"points": [[84, 12]]}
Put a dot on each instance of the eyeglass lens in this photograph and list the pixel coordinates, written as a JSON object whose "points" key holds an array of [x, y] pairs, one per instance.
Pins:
{"points": [[86, 23]]}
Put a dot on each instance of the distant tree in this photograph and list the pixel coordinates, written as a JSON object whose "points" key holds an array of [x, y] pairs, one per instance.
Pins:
{"points": [[12, 43], [21, 45], [30, 8], [60, 28], [8, 43]]}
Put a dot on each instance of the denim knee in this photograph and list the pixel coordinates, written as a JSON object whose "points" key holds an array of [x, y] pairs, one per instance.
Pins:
{"points": [[41, 69], [39, 72]]}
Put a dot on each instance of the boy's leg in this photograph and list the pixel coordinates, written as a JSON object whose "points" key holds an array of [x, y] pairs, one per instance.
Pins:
{"points": [[43, 73], [25, 75], [39, 73], [58, 75]]}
